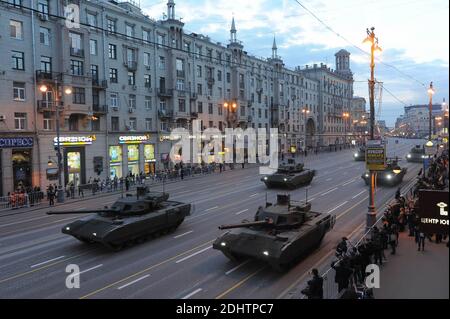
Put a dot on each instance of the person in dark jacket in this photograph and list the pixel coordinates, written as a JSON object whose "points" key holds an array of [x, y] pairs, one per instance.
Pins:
{"points": [[315, 286], [343, 274]]}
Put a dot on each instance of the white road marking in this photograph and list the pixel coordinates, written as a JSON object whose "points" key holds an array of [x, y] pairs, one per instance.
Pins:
{"points": [[133, 282], [331, 190], [253, 195], [349, 182], [329, 179], [358, 194], [192, 293], [194, 254], [242, 211], [89, 269], [207, 210], [178, 193], [47, 261], [311, 199], [181, 235], [237, 267], [342, 204]]}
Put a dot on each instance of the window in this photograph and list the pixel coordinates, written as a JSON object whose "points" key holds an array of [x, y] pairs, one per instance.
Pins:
{"points": [[16, 29], [114, 100], [44, 36], [18, 60], [76, 67], [180, 65], [161, 39], [219, 75], [180, 84], [43, 8], [95, 124], [199, 89], [211, 124], [133, 123], [228, 77], [46, 64], [162, 105], [112, 51], [78, 96], [130, 56], [20, 121], [147, 81], [113, 75], [131, 78], [145, 35], [148, 124], [148, 102], [111, 24], [93, 47], [209, 54], [48, 121], [199, 71], [147, 59], [198, 51], [219, 109], [129, 30], [210, 108], [200, 107], [132, 101], [182, 105], [164, 126], [162, 63], [75, 41], [18, 91], [91, 19], [114, 123], [187, 47], [16, 3], [94, 72]]}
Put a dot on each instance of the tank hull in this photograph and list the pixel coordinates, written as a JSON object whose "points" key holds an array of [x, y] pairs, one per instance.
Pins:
{"points": [[289, 181], [359, 156], [415, 158], [383, 180], [115, 234], [280, 251]]}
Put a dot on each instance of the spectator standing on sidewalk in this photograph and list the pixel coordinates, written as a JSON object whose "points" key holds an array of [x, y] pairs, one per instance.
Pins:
{"points": [[420, 239], [315, 286], [343, 274]]}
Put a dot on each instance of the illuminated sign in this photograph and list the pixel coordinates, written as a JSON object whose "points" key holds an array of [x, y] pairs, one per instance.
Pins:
{"points": [[115, 154], [149, 153], [16, 142], [375, 156], [134, 139], [74, 140], [133, 153], [293, 149], [433, 211]]}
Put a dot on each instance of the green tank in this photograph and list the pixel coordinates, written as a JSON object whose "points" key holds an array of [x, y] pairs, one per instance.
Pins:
{"points": [[289, 175], [280, 234], [416, 155], [360, 154], [392, 175], [129, 220]]}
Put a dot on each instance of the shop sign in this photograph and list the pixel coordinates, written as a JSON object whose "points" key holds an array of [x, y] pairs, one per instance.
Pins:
{"points": [[149, 153], [134, 139], [433, 211], [74, 140], [293, 149], [9, 142]]}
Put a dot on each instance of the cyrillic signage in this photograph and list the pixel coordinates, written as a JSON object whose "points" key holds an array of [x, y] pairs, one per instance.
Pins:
{"points": [[134, 139], [74, 140], [375, 157], [8, 142], [433, 212]]}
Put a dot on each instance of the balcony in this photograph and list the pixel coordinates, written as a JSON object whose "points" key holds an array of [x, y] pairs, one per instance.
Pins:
{"points": [[181, 73], [43, 75], [164, 114], [131, 65], [100, 109], [45, 106], [165, 93], [77, 52], [99, 84]]}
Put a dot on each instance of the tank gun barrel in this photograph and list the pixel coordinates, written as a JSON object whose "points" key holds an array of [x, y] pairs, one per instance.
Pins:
{"points": [[67, 212], [247, 224]]}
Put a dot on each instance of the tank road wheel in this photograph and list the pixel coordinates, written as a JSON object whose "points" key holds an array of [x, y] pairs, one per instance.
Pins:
{"points": [[116, 247]]}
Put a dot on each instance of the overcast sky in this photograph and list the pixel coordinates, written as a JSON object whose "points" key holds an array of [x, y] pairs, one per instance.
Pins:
{"points": [[413, 34]]}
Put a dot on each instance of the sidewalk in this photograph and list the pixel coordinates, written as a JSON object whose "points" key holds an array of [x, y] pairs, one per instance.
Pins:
{"points": [[412, 274]]}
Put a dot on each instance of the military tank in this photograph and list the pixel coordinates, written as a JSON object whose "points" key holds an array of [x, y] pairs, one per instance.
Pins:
{"points": [[392, 174], [360, 154], [129, 220], [279, 235], [289, 175], [416, 155]]}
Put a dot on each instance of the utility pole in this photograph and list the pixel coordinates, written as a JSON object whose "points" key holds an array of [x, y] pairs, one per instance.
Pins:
{"points": [[373, 41], [430, 111]]}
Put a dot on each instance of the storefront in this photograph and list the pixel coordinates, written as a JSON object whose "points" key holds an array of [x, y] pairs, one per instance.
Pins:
{"points": [[16, 159], [115, 161], [149, 159], [133, 159], [74, 157]]}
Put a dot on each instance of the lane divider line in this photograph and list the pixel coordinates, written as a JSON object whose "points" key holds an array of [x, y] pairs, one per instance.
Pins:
{"points": [[186, 233], [242, 211], [342, 204], [237, 267], [331, 190], [207, 210], [192, 294], [133, 282], [194, 254], [359, 194], [240, 283], [89, 269], [47, 261]]}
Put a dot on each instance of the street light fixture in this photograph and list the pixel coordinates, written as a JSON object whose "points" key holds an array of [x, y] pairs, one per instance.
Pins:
{"points": [[305, 112], [430, 111], [346, 116], [372, 40], [44, 88]]}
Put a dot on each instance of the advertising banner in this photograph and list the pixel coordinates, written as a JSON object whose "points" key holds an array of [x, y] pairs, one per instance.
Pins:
{"points": [[433, 211], [375, 157]]}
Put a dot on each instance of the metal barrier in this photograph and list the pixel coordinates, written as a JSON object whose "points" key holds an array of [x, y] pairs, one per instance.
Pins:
{"points": [[20, 200]]}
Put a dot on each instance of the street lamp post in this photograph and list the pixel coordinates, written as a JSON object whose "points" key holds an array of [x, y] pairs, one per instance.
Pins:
{"points": [[373, 41], [345, 115], [430, 111], [55, 92], [305, 112]]}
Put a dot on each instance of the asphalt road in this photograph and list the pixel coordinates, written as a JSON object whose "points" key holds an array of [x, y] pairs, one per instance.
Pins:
{"points": [[34, 253]]}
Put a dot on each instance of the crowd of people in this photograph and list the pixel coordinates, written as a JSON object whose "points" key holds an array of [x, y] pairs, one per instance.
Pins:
{"points": [[400, 216]]}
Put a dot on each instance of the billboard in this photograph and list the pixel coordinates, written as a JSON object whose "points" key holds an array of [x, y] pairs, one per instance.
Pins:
{"points": [[433, 211], [375, 157]]}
